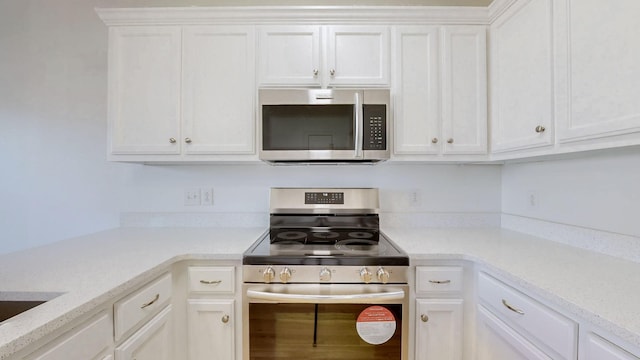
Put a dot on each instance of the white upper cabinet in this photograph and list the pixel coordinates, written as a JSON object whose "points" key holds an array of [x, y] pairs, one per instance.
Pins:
{"points": [[599, 50], [307, 55], [218, 90], [289, 55], [522, 77], [440, 91], [144, 89]]}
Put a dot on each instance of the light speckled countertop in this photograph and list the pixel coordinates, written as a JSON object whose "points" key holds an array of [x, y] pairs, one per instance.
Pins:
{"points": [[95, 269]]}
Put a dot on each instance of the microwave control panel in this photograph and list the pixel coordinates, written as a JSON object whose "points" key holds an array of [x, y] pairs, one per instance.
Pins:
{"points": [[375, 127]]}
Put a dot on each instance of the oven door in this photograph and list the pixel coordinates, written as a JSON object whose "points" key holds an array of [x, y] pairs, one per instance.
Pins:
{"points": [[325, 321]]}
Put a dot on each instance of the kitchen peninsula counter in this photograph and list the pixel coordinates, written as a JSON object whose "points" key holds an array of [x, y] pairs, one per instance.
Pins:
{"points": [[99, 268]]}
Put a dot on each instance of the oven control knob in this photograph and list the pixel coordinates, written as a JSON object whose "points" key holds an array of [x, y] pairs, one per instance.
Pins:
{"points": [[325, 275], [383, 275], [285, 275], [269, 274], [366, 275]]}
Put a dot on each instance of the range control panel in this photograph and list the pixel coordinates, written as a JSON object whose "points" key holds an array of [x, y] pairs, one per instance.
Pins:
{"points": [[324, 198], [375, 127]]}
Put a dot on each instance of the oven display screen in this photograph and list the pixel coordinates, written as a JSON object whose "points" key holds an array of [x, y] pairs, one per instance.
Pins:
{"points": [[324, 198]]}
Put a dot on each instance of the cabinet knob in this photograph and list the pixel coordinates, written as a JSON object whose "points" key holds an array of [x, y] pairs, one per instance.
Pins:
{"points": [[424, 318], [332, 72], [172, 140], [540, 129], [225, 319], [434, 140], [315, 72], [187, 140], [450, 141]]}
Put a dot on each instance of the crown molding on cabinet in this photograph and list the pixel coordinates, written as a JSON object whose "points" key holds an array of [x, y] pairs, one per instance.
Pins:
{"points": [[296, 14]]}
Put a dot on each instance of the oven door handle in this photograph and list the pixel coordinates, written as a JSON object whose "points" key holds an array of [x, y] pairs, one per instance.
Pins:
{"points": [[326, 299]]}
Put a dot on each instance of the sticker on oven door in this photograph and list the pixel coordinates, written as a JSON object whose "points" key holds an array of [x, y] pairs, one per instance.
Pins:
{"points": [[376, 325]]}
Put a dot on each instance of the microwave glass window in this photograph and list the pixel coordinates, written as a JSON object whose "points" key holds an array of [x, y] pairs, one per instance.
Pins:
{"points": [[308, 127]]}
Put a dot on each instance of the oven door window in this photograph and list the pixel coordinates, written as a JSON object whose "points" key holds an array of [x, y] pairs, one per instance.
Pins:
{"points": [[312, 331], [308, 127]]}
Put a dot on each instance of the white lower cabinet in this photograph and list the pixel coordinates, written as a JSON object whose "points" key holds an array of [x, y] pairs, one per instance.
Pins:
{"points": [[439, 329], [210, 329], [154, 341], [91, 341], [497, 341], [595, 347]]}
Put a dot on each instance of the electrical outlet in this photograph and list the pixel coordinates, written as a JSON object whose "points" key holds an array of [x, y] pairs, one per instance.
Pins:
{"points": [[207, 196], [192, 197], [414, 197], [532, 199]]}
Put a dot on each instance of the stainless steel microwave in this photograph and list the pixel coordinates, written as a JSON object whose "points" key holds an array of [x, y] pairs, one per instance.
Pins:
{"points": [[324, 125]]}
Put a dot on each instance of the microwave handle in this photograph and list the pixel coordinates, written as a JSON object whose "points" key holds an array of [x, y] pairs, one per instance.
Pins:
{"points": [[326, 299], [359, 125]]}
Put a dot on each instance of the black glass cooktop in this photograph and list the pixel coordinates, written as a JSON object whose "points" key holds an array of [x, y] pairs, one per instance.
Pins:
{"points": [[352, 247]]}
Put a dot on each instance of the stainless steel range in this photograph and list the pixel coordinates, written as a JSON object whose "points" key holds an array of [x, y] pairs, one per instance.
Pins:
{"points": [[324, 282]]}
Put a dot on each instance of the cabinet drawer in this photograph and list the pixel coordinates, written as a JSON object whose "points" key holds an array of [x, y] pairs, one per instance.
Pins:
{"points": [[141, 305], [207, 279], [438, 279], [88, 342], [538, 323]]}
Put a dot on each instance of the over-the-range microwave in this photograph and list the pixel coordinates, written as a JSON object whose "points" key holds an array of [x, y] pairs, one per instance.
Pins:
{"points": [[324, 125]]}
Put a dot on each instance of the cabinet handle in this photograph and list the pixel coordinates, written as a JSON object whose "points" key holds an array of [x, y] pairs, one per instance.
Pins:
{"points": [[315, 72], [540, 129], [150, 302], [434, 140], [512, 308], [440, 281], [187, 140], [225, 319], [210, 282], [172, 140], [332, 72], [424, 318], [450, 141]]}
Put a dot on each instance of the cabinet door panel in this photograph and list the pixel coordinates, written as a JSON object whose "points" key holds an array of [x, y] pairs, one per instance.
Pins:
{"points": [[464, 89], [417, 91], [358, 55], [218, 89], [144, 86], [439, 329], [152, 342], [496, 341], [521, 81], [289, 55], [599, 54], [597, 348], [211, 329]]}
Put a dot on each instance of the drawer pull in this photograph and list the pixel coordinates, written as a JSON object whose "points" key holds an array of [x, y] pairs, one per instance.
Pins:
{"points": [[424, 318], [440, 281], [512, 308], [150, 302], [225, 319], [210, 282]]}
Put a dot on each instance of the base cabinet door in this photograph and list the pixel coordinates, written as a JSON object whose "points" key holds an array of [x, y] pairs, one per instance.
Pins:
{"points": [[152, 342], [439, 329], [496, 341], [210, 329], [597, 348]]}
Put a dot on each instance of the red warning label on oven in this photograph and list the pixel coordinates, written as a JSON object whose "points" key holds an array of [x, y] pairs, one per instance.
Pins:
{"points": [[376, 325]]}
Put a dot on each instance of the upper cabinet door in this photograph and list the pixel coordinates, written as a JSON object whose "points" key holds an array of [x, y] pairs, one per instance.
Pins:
{"points": [[417, 91], [358, 55], [598, 48], [144, 89], [289, 55], [218, 90], [464, 89], [522, 77]]}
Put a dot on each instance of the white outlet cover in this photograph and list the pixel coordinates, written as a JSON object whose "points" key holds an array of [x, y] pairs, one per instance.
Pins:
{"points": [[192, 197]]}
